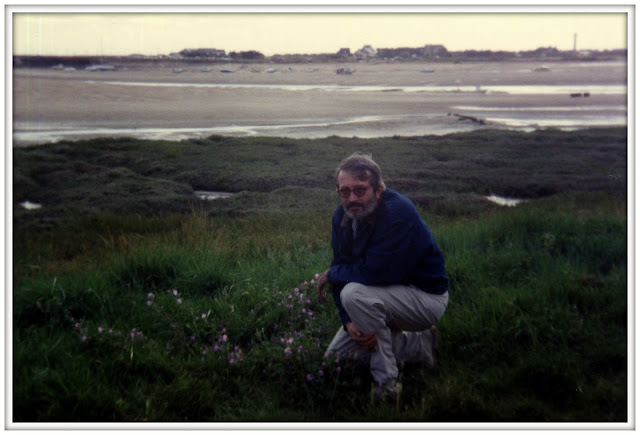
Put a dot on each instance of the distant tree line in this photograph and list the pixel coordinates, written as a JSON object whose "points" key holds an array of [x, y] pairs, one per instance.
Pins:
{"points": [[50, 61], [249, 55], [427, 52]]}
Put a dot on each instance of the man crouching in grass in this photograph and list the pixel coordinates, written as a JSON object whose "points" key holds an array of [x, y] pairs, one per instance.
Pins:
{"points": [[387, 276]]}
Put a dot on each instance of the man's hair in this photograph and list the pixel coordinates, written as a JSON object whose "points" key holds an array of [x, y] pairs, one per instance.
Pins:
{"points": [[363, 168]]}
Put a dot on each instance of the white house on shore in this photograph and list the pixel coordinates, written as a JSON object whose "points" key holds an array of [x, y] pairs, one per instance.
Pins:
{"points": [[366, 52]]}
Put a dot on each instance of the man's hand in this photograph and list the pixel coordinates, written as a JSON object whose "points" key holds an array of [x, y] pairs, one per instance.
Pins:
{"points": [[322, 282], [367, 342]]}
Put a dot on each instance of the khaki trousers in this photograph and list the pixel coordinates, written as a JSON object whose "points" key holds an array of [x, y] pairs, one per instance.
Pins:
{"points": [[401, 317]]}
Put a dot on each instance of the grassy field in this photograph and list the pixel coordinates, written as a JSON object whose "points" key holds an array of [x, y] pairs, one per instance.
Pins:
{"points": [[134, 301]]}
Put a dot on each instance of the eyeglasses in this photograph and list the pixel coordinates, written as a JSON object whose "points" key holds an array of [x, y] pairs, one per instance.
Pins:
{"points": [[345, 192]]}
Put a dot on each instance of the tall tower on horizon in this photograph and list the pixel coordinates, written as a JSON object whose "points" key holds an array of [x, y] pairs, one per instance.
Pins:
{"points": [[575, 42]]}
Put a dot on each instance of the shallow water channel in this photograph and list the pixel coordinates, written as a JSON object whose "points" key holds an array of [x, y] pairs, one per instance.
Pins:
{"points": [[507, 202], [206, 195]]}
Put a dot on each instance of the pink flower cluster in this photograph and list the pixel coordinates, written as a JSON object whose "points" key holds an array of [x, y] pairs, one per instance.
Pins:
{"points": [[175, 293], [85, 332], [299, 337], [299, 343], [222, 345], [297, 303]]}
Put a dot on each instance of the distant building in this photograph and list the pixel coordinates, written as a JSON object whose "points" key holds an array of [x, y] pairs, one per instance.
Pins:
{"points": [[434, 51], [366, 52]]}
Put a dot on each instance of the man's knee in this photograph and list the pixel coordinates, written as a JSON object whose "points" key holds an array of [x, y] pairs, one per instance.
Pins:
{"points": [[353, 294]]}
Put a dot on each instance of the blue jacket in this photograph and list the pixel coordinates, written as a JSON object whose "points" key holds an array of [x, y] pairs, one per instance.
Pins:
{"points": [[393, 245]]}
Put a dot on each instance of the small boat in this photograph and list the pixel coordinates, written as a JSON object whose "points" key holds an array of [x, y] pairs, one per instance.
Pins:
{"points": [[345, 71]]}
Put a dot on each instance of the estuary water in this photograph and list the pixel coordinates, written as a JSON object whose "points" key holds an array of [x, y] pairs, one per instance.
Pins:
{"points": [[376, 101]]}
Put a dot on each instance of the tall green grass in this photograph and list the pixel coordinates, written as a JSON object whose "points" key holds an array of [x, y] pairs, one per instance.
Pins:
{"points": [[198, 318]]}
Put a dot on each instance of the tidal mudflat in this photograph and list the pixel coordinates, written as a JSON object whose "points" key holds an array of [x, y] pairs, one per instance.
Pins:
{"points": [[312, 101]]}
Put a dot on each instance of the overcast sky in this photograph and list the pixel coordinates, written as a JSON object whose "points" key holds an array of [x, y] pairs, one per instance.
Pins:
{"points": [[149, 31]]}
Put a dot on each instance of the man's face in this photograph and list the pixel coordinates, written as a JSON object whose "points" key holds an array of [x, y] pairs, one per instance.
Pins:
{"points": [[357, 207]]}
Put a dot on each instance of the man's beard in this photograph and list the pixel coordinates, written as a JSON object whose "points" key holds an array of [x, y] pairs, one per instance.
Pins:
{"points": [[365, 210]]}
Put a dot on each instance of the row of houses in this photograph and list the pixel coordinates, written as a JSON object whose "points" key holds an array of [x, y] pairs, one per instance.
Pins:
{"points": [[364, 53], [368, 52]]}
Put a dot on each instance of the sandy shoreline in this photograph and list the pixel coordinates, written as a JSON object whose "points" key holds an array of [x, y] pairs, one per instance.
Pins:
{"points": [[301, 100]]}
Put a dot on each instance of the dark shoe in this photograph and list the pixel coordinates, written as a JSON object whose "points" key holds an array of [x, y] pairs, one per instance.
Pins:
{"points": [[388, 392]]}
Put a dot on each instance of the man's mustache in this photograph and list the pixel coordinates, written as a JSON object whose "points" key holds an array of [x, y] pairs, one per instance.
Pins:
{"points": [[355, 204]]}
